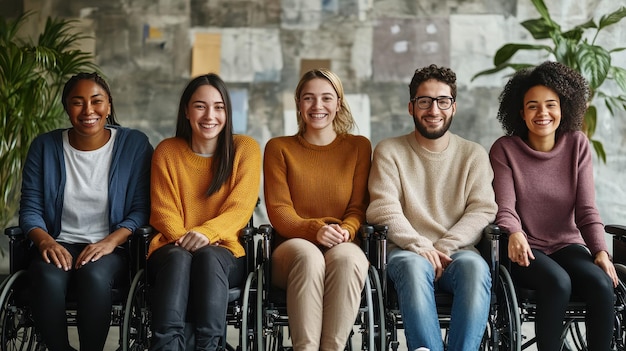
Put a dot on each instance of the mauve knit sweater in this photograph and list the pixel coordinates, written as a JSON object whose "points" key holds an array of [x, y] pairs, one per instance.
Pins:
{"points": [[549, 196]]}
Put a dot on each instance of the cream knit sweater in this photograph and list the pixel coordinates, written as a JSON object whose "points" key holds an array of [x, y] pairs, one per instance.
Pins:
{"points": [[431, 200]]}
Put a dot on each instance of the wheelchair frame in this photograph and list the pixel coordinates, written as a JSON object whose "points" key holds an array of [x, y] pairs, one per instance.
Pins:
{"points": [[137, 327], [572, 336], [502, 332], [17, 329], [271, 317]]}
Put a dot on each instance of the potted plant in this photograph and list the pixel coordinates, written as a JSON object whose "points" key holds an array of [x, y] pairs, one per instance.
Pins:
{"points": [[32, 76], [577, 50]]}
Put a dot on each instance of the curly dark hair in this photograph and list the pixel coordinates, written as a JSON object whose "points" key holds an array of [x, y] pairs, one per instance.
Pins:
{"points": [[571, 87], [442, 74]]}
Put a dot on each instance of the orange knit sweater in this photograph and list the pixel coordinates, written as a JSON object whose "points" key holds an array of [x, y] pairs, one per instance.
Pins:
{"points": [[308, 186], [179, 182]]}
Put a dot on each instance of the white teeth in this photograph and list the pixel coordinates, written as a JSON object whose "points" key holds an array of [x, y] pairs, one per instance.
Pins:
{"points": [[317, 115], [89, 121], [542, 122], [209, 126]]}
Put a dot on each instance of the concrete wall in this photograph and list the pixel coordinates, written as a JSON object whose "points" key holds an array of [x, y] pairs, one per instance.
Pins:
{"points": [[144, 47]]}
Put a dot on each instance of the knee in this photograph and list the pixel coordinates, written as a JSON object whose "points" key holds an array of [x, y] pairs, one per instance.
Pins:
{"points": [[46, 277], [472, 267], [169, 262], [300, 255], [407, 267], [349, 258]]}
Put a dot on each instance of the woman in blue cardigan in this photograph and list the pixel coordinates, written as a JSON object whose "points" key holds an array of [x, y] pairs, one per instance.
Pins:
{"points": [[84, 191]]}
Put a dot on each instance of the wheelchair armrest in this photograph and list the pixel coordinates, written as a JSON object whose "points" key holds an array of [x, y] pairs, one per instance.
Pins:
{"points": [[617, 230], [19, 246], [14, 232], [619, 242], [140, 242]]}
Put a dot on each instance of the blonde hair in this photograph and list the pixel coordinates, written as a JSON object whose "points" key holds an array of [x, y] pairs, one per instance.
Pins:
{"points": [[343, 122]]}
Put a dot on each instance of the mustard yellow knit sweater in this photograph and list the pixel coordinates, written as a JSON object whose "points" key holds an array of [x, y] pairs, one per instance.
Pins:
{"points": [[179, 204], [308, 186]]}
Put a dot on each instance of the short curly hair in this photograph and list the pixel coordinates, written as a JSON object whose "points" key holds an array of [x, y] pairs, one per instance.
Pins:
{"points": [[442, 74], [568, 84]]}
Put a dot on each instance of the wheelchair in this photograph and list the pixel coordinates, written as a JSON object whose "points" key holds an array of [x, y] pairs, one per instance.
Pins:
{"points": [[572, 335], [503, 322], [136, 328], [272, 323], [17, 327]]}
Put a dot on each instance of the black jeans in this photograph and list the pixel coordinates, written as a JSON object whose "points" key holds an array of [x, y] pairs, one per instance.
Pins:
{"points": [[92, 285], [555, 278], [191, 288]]}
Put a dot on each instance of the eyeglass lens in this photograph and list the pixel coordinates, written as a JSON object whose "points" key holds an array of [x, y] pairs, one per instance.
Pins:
{"points": [[425, 102]]}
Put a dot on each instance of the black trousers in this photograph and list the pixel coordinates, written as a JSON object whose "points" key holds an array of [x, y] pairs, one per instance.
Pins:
{"points": [[555, 278], [92, 284], [191, 288]]}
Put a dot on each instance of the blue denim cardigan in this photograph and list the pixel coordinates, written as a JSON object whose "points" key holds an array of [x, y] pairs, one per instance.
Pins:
{"points": [[43, 182]]}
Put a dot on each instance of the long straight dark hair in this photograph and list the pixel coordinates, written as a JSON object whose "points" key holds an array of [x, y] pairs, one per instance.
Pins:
{"points": [[222, 165]]}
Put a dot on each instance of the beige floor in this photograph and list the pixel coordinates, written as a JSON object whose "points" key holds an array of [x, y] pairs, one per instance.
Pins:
{"points": [[112, 341]]}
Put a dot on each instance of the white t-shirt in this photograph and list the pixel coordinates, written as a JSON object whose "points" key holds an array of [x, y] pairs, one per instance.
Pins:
{"points": [[85, 215]]}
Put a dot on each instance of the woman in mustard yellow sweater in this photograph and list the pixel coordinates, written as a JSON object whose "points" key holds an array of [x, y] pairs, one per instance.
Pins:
{"points": [[316, 197], [204, 186]]}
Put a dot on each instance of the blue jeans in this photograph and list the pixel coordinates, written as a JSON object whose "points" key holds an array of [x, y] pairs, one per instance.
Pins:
{"points": [[467, 278]]}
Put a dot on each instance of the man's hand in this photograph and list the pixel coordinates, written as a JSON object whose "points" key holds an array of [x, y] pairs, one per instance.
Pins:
{"points": [[439, 260]]}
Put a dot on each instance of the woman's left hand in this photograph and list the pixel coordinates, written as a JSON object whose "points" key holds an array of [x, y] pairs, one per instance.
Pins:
{"points": [[603, 261], [94, 252], [193, 241]]}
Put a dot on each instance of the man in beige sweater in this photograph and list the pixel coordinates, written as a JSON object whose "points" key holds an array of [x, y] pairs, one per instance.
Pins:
{"points": [[433, 190]]}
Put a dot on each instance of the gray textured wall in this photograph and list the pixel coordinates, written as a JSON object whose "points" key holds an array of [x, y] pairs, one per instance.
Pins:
{"points": [[373, 45]]}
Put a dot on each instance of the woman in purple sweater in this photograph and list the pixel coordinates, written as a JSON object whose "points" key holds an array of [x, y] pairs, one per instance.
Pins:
{"points": [[543, 180]]}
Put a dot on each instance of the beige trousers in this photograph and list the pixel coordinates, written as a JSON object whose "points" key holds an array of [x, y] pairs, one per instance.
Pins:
{"points": [[323, 291]]}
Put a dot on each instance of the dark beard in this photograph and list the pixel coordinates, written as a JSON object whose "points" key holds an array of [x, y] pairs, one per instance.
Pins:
{"points": [[435, 134]]}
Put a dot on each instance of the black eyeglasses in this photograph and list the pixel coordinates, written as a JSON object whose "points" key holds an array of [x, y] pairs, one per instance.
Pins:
{"points": [[425, 102]]}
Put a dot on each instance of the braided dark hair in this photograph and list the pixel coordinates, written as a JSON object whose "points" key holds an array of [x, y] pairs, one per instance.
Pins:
{"points": [[100, 81]]}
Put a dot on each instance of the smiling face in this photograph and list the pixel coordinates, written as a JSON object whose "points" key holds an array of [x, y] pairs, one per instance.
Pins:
{"points": [[206, 113], [318, 105], [433, 122], [87, 108], [542, 114]]}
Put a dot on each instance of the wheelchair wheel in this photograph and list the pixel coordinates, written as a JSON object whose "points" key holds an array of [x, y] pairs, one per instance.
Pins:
{"points": [[16, 323], [247, 336], [136, 326], [504, 321], [619, 339]]}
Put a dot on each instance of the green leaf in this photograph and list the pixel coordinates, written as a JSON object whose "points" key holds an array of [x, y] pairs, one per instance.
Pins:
{"points": [[594, 63], [618, 74], [599, 149], [508, 50], [515, 66], [539, 28], [574, 34], [590, 121], [543, 10], [612, 17]]}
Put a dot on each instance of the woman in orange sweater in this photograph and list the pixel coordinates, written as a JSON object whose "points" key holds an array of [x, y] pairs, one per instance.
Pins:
{"points": [[316, 197], [204, 186]]}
